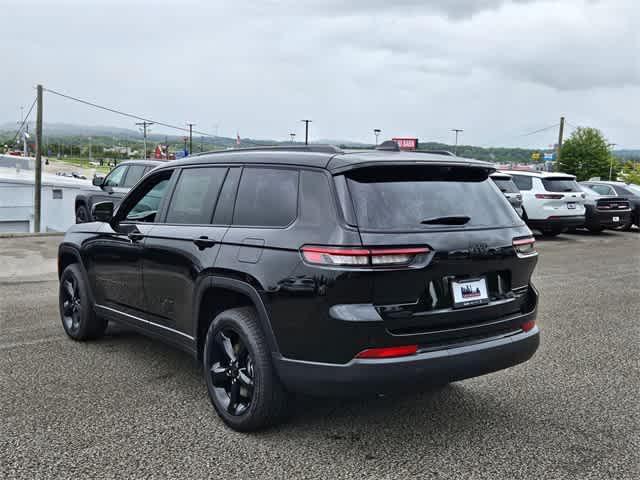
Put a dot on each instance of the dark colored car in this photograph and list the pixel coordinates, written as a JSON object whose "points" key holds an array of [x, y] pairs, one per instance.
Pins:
{"points": [[629, 191], [509, 189], [310, 270], [113, 187], [604, 212]]}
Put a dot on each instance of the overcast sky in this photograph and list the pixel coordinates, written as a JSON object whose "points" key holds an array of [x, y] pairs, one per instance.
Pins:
{"points": [[496, 68]]}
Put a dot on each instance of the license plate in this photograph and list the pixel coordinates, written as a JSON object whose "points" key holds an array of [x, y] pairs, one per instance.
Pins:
{"points": [[616, 219], [469, 292], [571, 206]]}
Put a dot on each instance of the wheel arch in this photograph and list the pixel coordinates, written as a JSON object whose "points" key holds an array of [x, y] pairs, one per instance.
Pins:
{"points": [[68, 255], [217, 294]]}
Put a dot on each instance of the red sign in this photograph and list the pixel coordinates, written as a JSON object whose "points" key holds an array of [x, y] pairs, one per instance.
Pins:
{"points": [[406, 143]]}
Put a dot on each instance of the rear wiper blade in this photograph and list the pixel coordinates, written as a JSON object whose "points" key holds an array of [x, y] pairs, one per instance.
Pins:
{"points": [[450, 220]]}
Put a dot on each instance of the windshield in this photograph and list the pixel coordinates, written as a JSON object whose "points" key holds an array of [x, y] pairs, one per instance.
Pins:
{"points": [[505, 185], [560, 185], [409, 198]]}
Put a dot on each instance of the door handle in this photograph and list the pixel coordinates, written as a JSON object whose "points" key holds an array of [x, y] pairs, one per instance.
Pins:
{"points": [[204, 242], [135, 236]]}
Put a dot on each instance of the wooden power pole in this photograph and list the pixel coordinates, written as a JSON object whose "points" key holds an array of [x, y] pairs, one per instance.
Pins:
{"points": [[560, 133], [37, 197]]}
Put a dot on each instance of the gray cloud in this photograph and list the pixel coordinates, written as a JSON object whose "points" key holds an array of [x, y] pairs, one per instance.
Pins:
{"points": [[493, 67]]}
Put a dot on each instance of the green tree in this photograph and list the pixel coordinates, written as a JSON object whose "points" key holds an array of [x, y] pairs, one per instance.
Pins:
{"points": [[586, 154], [631, 173]]}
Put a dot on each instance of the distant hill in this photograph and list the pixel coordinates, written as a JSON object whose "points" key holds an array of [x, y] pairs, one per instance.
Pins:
{"points": [[105, 135]]}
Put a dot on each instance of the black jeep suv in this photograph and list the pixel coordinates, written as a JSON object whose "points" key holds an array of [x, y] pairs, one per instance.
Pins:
{"points": [[112, 187], [310, 270]]}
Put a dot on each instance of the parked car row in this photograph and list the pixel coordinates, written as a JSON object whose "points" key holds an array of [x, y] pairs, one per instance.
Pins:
{"points": [[554, 202]]}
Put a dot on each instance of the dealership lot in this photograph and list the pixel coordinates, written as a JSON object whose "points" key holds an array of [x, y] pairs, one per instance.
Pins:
{"points": [[128, 406]]}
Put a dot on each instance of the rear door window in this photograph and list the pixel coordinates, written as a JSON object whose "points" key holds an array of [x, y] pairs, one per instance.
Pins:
{"points": [[418, 198], [134, 173], [195, 195], [267, 197], [560, 185], [523, 182], [602, 189]]}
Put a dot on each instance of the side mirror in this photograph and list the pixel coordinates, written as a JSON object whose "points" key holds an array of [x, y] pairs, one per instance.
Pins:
{"points": [[98, 180], [102, 211]]}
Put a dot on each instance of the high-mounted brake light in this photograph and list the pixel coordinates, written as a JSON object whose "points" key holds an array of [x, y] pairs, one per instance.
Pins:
{"points": [[549, 196], [361, 257], [525, 246], [388, 352]]}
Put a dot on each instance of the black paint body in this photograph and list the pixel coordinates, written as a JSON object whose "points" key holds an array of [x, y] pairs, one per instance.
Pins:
{"points": [[161, 279]]}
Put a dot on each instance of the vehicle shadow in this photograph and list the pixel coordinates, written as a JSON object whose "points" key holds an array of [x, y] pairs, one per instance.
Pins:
{"points": [[435, 409]]}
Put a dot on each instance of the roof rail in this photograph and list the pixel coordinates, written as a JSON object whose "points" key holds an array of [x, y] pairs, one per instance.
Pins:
{"points": [[438, 152], [317, 148]]}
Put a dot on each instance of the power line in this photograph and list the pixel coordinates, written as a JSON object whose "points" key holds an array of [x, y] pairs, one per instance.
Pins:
{"points": [[555, 125], [125, 114], [24, 121]]}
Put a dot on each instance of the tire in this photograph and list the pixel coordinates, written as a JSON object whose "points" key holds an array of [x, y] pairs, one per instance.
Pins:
{"points": [[237, 363], [76, 310], [82, 214]]}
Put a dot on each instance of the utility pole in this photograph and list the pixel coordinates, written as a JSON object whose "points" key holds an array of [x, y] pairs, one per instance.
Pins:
{"points": [[144, 125], [306, 131], [376, 132], [190, 137], [560, 133], [458, 131], [37, 197], [293, 137]]}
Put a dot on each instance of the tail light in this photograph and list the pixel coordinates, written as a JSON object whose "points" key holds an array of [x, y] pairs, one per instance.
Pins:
{"points": [[389, 352], [528, 325], [549, 196], [525, 246], [361, 257]]}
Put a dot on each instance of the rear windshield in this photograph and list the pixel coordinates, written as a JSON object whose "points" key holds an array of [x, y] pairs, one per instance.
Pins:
{"points": [[505, 185], [560, 185], [405, 198]]}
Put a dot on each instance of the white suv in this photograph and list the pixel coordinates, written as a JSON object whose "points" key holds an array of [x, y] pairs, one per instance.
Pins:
{"points": [[552, 202]]}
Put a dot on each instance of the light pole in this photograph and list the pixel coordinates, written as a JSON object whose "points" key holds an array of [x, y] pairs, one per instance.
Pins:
{"points": [[90, 159], [306, 131], [611, 145], [190, 137], [145, 126], [376, 132], [457, 130], [293, 137]]}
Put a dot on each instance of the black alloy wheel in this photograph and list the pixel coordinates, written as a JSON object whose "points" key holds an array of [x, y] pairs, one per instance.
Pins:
{"points": [[232, 372], [76, 309], [242, 383], [71, 304], [82, 214]]}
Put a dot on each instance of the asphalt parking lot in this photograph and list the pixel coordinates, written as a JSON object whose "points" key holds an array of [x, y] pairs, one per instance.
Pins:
{"points": [[127, 406]]}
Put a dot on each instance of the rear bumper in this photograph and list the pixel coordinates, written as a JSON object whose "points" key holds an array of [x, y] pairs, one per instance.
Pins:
{"points": [[429, 367], [557, 223], [598, 218]]}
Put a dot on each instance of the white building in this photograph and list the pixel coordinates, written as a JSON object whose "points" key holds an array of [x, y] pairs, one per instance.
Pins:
{"points": [[17, 201]]}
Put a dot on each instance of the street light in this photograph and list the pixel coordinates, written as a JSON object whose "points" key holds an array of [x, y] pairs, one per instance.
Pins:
{"points": [[376, 132], [306, 131], [457, 130]]}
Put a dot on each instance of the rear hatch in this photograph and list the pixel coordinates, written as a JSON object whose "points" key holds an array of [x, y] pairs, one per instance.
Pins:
{"points": [[469, 228], [561, 197]]}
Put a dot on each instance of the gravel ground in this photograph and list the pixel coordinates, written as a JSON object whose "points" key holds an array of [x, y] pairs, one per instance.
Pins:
{"points": [[127, 407]]}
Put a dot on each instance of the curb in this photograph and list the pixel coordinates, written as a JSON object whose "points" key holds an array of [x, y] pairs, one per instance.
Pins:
{"points": [[27, 235]]}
